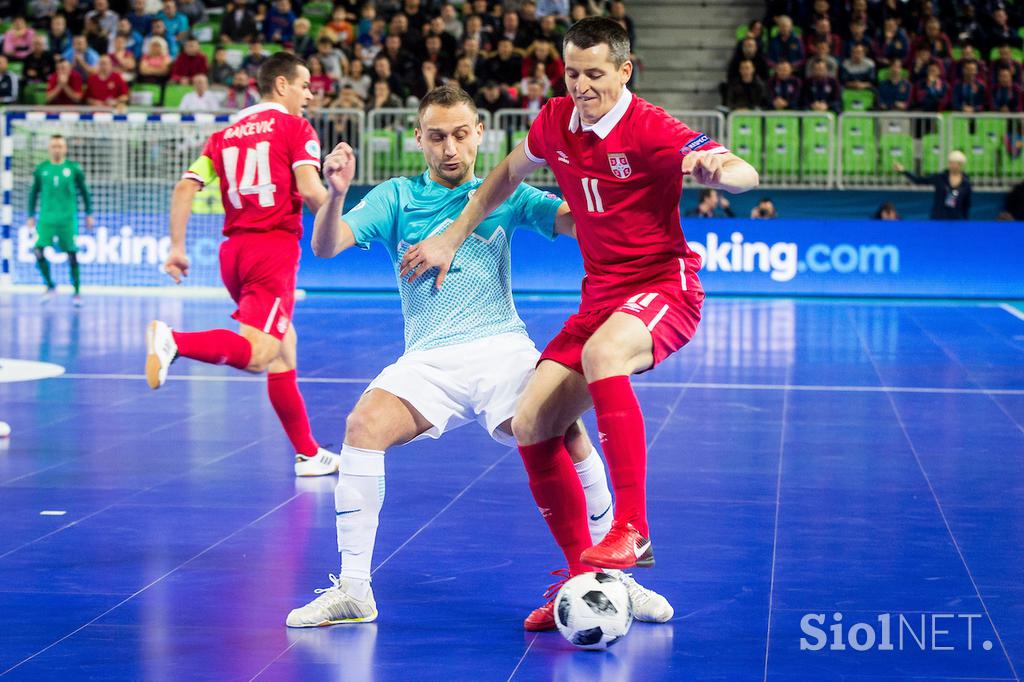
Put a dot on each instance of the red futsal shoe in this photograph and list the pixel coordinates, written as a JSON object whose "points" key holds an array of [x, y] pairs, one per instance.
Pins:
{"points": [[542, 618], [623, 547]]}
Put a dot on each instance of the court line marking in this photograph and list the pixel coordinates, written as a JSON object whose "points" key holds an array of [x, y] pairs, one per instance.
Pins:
{"points": [[827, 388], [410, 539], [151, 584], [1013, 311], [949, 353], [935, 497], [775, 532], [523, 657]]}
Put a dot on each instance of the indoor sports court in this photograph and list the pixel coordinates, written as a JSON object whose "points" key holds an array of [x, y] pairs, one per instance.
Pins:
{"points": [[806, 457]]}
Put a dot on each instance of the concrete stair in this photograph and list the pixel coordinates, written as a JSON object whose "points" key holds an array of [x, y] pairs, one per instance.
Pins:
{"points": [[685, 46]]}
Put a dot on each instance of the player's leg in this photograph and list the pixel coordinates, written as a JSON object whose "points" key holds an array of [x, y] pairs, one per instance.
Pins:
{"points": [[590, 468], [379, 421], [553, 400], [44, 238], [66, 238], [621, 346], [288, 404]]}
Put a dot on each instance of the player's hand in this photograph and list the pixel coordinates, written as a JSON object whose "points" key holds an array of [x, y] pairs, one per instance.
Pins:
{"points": [[89, 222], [433, 252], [176, 265], [340, 168], [898, 167], [705, 167]]}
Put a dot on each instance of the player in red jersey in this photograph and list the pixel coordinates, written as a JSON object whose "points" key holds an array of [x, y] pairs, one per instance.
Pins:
{"points": [[268, 164], [620, 163]]}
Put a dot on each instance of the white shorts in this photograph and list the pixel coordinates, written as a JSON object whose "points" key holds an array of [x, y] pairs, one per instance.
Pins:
{"points": [[455, 385]]}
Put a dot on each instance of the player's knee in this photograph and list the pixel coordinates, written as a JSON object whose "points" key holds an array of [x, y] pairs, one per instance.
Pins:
{"points": [[528, 426], [364, 429], [263, 354], [600, 357]]}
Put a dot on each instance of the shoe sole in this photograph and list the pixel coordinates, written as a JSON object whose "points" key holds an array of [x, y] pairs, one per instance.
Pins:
{"points": [[539, 628], [319, 473], [344, 621], [152, 359], [639, 563]]}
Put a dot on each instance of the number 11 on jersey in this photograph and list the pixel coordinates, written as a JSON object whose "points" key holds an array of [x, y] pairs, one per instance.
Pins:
{"points": [[255, 175], [594, 203]]}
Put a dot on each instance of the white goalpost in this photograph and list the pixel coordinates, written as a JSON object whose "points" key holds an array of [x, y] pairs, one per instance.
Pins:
{"points": [[131, 163]]}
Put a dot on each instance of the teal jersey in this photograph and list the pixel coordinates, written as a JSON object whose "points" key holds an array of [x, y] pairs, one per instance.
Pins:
{"points": [[476, 299]]}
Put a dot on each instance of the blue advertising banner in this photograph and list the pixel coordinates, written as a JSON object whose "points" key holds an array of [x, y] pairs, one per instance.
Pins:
{"points": [[769, 257]]}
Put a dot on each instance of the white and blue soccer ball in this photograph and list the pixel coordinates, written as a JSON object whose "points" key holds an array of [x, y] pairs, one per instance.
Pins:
{"points": [[593, 610]]}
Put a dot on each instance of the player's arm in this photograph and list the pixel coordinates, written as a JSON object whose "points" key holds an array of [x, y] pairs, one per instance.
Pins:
{"points": [[720, 170], [564, 222], [331, 234], [307, 180], [439, 250], [199, 174], [83, 190]]}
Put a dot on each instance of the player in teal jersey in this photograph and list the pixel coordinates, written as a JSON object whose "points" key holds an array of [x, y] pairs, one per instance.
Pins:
{"points": [[56, 186], [467, 356]]}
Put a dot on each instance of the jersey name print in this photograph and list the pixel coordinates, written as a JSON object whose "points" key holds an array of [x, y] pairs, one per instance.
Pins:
{"points": [[622, 180], [254, 159]]}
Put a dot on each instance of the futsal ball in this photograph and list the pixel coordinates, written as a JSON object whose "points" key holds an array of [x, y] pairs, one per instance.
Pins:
{"points": [[5, 429], [593, 610]]}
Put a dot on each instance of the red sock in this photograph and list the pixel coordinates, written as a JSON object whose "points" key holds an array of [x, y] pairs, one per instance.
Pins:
{"points": [[291, 410], [216, 347], [559, 495], [620, 425]]}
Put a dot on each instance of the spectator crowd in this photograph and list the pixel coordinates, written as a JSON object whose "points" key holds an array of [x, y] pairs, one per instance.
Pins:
{"points": [[361, 53], [887, 55]]}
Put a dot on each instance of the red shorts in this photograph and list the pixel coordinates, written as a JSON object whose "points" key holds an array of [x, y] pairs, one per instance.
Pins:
{"points": [[669, 306], [259, 271]]}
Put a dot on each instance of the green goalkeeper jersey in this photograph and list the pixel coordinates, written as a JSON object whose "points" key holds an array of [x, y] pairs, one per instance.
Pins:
{"points": [[56, 187]]}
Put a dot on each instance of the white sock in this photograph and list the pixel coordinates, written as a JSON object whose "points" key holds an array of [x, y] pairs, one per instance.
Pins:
{"points": [[357, 502], [599, 498]]}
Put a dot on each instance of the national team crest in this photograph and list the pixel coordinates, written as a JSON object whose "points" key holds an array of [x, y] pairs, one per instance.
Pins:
{"points": [[620, 166]]}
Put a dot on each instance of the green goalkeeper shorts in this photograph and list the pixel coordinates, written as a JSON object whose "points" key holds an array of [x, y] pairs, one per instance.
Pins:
{"points": [[63, 232]]}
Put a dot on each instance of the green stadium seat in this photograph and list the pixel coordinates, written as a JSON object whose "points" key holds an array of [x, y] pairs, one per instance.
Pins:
{"points": [[741, 32], [932, 160], [895, 148], [859, 158], [746, 138], [174, 93], [992, 130], [815, 143], [982, 157], [1011, 164], [1018, 54], [34, 93], [782, 145], [208, 49], [411, 159], [858, 100], [15, 66], [855, 128], [960, 133], [320, 11], [957, 53], [383, 147], [146, 94], [206, 32], [883, 74]]}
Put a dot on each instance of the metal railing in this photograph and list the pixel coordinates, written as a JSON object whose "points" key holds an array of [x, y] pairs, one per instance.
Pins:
{"points": [[871, 145], [993, 144], [788, 148]]}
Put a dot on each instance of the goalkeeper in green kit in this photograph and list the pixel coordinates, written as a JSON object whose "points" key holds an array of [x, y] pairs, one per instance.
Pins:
{"points": [[56, 185]]}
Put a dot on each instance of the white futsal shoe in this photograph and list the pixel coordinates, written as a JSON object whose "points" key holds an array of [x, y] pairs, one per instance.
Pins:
{"points": [[160, 353], [648, 605], [334, 606], [323, 463]]}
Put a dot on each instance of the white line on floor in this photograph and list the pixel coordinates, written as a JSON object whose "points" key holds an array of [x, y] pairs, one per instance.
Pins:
{"points": [[639, 384], [1013, 311]]}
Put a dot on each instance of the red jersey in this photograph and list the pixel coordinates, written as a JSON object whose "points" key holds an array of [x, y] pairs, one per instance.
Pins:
{"points": [[255, 158], [107, 89], [621, 177]]}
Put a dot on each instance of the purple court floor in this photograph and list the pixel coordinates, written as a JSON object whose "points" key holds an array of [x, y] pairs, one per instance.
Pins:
{"points": [[809, 460]]}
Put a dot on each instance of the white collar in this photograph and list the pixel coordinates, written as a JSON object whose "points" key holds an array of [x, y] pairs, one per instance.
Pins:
{"points": [[262, 106], [604, 125]]}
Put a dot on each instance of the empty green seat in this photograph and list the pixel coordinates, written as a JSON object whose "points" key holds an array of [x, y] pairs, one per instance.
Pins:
{"points": [[745, 138], [932, 160], [858, 100], [383, 148], [782, 145], [815, 143], [859, 158], [174, 93], [895, 148]]}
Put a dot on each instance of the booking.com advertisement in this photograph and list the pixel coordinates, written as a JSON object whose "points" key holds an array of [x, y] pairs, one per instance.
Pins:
{"points": [[745, 257]]}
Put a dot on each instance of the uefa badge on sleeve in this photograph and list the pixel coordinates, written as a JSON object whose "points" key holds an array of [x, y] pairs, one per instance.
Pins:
{"points": [[620, 166]]}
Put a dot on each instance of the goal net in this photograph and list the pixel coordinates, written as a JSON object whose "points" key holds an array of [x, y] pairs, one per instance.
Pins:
{"points": [[131, 164]]}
